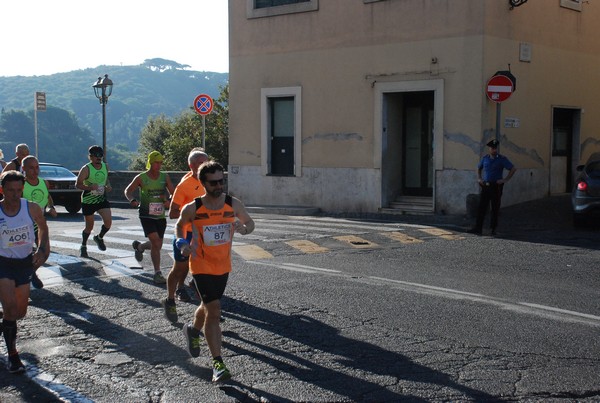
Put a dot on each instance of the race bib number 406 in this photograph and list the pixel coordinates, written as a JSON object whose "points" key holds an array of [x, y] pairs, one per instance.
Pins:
{"points": [[217, 234], [13, 237]]}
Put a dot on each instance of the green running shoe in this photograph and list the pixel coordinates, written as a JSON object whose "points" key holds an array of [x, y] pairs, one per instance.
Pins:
{"points": [[192, 337], [170, 310], [220, 372]]}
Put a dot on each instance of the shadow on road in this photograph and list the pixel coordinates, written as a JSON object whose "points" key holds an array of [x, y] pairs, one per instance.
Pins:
{"points": [[379, 366]]}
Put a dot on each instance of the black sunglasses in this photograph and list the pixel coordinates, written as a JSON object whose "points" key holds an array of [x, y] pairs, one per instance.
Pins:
{"points": [[99, 155], [215, 182]]}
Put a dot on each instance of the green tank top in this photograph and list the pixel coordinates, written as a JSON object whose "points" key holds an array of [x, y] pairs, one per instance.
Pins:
{"points": [[37, 194], [98, 177], [153, 194]]}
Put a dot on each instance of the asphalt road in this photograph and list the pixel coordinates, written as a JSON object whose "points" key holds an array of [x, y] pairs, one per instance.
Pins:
{"points": [[330, 309]]}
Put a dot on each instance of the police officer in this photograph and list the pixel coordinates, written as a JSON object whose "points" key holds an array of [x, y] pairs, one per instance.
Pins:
{"points": [[489, 173]]}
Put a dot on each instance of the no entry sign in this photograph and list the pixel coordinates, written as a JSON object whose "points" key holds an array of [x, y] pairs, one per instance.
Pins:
{"points": [[203, 104], [499, 88]]}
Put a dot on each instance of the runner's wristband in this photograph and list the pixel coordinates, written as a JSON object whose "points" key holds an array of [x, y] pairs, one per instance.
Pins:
{"points": [[181, 242]]}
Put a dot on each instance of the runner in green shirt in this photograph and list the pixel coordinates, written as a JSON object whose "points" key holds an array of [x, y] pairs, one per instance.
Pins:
{"points": [[155, 189], [93, 180], [36, 190]]}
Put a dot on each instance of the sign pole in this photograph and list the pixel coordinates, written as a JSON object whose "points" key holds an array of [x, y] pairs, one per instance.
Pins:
{"points": [[203, 104], [35, 125], [203, 132], [39, 104], [498, 119], [499, 88]]}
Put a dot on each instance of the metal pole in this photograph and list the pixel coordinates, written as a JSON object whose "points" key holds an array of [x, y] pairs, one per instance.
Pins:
{"points": [[35, 124], [203, 132], [498, 118], [104, 121]]}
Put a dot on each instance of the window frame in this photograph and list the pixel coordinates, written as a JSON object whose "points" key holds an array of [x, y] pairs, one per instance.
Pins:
{"points": [[252, 12], [265, 121], [572, 4]]}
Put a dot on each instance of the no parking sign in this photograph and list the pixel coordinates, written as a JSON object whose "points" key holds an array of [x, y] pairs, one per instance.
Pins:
{"points": [[203, 104]]}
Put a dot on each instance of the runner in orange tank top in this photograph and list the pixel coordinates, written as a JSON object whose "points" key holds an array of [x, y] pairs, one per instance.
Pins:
{"points": [[214, 217], [188, 189]]}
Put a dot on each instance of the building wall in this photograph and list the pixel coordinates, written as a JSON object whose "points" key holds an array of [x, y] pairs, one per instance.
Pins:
{"points": [[341, 57]]}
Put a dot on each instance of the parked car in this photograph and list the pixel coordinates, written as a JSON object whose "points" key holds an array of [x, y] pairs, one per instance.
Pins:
{"points": [[585, 197], [61, 185]]}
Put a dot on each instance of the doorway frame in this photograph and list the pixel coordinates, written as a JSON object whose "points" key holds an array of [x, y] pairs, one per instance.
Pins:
{"points": [[382, 88], [575, 139]]}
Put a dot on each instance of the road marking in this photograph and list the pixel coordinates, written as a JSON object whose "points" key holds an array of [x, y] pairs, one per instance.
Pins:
{"points": [[306, 246], [91, 249], [61, 259], [442, 233], [167, 244], [54, 385], [119, 267], [542, 311], [401, 237], [356, 242], [251, 252], [298, 267], [50, 275]]}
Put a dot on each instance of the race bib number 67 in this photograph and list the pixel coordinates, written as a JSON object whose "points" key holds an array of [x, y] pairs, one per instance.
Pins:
{"points": [[217, 234]]}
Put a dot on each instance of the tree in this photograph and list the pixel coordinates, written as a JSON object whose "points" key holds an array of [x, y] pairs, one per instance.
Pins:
{"points": [[175, 138], [60, 138], [163, 64], [152, 138]]}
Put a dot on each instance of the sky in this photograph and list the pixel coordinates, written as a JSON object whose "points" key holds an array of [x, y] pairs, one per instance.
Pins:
{"points": [[43, 37]]}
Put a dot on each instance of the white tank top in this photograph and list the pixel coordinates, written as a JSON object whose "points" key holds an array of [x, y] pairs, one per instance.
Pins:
{"points": [[16, 233]]}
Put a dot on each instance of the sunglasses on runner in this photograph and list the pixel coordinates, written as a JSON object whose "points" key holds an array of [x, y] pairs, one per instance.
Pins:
{"points": [[98, 155], [215, 182]]}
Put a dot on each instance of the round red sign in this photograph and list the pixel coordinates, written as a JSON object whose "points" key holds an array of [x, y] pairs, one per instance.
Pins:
{"points": [[499, 88], [203, 104]]}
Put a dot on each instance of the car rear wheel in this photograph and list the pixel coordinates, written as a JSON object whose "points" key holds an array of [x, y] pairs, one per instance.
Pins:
{"points": [[73, 208]]}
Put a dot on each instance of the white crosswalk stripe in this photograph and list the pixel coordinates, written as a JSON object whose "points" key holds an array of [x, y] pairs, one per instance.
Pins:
{"points": [[300, 234], [50, 275]]}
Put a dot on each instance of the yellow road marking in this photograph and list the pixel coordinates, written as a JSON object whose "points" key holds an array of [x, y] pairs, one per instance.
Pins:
{"points": [[306, 246], [401, 237], [442, 233], [356, 242], [252, 252]]}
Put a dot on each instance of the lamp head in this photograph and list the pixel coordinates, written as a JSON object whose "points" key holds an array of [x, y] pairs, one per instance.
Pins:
{"points": [[103, 87]]}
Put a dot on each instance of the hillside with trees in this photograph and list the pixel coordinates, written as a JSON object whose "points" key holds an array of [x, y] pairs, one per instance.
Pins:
{"points": [[157, 89]]}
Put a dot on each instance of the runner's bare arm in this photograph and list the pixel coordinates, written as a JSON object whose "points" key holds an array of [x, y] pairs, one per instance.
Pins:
{"points": [[135, 183], [187, 216], [43, 246], [84, 173], [245, 225]]}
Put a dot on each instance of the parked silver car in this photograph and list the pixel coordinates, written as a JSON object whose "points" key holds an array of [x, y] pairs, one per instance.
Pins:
{"points": [[585, 197], [61, 185]]}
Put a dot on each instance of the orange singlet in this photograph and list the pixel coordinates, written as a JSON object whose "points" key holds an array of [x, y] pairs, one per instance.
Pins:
{"points": [[213, 235], [186, 191]]}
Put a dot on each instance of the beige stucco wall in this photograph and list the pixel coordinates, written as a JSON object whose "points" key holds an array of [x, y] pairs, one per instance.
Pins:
{"points": [[338, 55]]}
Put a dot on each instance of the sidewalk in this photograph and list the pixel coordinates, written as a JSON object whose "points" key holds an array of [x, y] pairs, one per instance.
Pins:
{"points": [[553, 212]]}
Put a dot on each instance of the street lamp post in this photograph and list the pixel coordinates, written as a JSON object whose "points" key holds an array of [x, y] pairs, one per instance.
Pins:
{"points": [[103, 90]]}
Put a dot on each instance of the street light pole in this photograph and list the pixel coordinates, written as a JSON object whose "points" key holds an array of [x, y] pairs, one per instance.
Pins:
{"points": [[103, 90]]}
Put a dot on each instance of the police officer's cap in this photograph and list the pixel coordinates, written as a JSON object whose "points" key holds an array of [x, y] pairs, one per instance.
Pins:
{"points": [[493, 143]]}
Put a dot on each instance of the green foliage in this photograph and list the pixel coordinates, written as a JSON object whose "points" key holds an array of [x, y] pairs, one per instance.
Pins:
{"points": [[60, 138], [174, 138], [158, 87]]}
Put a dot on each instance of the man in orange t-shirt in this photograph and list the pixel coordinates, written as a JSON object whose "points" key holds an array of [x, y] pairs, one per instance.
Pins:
{"points": [[186, 191]]}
